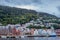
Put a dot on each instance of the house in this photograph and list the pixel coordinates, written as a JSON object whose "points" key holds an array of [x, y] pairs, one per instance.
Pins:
{"points": [[57, 32], [10, 25], [58, 19], [17, 25], [36, 24], [3, 30], [41, 18], [28, 24], [32, 31], [46, 32], [48, 24], [0, 24], [54, 19], [31, 21]]}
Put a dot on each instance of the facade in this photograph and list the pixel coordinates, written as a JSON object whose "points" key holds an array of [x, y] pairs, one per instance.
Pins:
{"points": [[57, 32]]}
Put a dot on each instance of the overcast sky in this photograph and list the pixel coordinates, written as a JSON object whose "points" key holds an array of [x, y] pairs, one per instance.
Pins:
{"points": [[50, 6]]}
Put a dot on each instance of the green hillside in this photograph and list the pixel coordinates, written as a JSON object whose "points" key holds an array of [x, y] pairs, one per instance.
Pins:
{"points": [[12, 15]]}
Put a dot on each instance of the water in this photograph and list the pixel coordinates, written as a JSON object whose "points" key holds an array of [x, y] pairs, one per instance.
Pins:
{"points": [[32, 38]]}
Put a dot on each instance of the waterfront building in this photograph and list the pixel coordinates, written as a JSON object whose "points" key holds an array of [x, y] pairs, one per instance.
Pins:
{"points": [[51, 32], [57, 32], [32, 31], [14, 31], [18, 32], [36, 32]]}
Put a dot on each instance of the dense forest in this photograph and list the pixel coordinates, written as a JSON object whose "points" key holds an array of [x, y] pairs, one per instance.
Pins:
{"points": [[12, 15]]}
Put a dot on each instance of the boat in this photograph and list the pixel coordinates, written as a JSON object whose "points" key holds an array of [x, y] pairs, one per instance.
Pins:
{"points": [[3, 36], [22, 36]]}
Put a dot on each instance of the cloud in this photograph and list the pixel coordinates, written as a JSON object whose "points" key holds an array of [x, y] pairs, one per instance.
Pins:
{"points": [[26, 7], [23, 2], [49, 6], [58, 8]]}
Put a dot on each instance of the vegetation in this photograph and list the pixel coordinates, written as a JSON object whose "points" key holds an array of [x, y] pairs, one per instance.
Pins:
{"points": [[12, 15], [56, 26], [38, 27]]}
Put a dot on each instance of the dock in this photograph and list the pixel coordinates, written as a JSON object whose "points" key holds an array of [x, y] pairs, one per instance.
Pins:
{"points": [[26, 36]]}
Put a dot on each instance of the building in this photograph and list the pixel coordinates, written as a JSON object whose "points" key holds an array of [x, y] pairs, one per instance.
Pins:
{"points": [[57, 32]]}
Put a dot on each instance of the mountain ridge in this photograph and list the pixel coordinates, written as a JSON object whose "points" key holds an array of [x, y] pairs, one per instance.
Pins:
{"points": [[13, 15], [28, 10]]}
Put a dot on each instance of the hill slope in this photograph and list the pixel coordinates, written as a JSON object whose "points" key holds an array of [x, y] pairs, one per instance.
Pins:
{"points": [[12, 15]]}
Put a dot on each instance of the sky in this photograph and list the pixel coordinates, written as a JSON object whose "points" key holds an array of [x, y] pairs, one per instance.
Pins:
{"points": [[49, 6]]}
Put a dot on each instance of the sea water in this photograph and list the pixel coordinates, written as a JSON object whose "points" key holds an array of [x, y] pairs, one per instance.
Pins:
{"points": [[32, 38]]}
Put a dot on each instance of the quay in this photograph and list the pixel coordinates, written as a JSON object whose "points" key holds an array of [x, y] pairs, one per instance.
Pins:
{"points": [[27, 36]]}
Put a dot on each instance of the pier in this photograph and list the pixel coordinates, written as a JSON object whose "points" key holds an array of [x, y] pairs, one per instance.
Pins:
{"points": [[27, 36]]}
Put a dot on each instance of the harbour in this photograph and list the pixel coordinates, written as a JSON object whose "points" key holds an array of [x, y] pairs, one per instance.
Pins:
{"points": [[29, 20], [23, 36], [32, 38]]}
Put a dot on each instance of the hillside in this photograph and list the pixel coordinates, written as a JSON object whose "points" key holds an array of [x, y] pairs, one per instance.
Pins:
{"points": [[12, 15]]}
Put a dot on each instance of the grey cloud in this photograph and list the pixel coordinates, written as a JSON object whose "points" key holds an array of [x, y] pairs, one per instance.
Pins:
{"points": [[23, 2], [58, 8], [42, 5]]}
